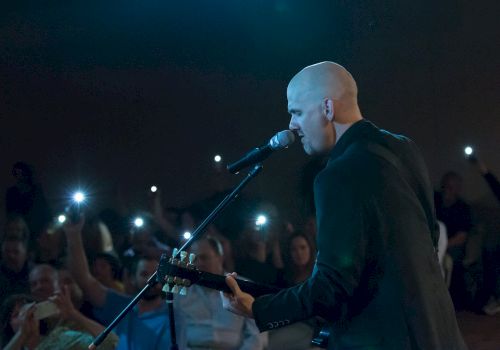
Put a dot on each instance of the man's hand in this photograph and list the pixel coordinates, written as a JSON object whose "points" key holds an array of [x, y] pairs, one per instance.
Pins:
{"points": [[237, 302]]}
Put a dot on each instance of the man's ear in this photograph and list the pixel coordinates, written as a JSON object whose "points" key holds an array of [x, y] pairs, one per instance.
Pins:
{"points": [[328, 109]]}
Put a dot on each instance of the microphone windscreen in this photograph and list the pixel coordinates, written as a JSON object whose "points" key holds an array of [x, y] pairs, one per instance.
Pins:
{"points": [[282, 139]]}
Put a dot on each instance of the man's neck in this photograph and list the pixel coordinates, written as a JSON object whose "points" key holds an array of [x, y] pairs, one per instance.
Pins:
{"points": [[340, 129]]}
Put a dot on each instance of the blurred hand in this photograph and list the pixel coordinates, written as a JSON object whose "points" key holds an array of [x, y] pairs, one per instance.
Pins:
{"points": [[238, 302], [63, 301], [30, 327], [71, 229]]}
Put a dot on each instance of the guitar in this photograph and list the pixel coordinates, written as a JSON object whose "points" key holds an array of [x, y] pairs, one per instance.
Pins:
{"points": [[178, 274]]}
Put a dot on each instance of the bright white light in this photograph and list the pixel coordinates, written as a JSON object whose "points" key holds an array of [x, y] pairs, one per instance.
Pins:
{"points": [[61, 218], [154, 189], [217, 158], [139, 222], [468, 150], [78, 197], [187, 235], [261, 220]]}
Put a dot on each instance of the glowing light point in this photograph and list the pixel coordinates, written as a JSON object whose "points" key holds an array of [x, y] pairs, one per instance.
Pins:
{"points": [[154, 189], [468, 150], [78, 197], [261, 220], [187, 235], [61, 218], [139, 222], [217, 158]]}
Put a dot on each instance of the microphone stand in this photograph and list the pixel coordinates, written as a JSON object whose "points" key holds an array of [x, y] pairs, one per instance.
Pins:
{"points": [[153, 279]]}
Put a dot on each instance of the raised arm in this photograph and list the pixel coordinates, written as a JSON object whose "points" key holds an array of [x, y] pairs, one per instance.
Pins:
{"points": [[94, 291]]}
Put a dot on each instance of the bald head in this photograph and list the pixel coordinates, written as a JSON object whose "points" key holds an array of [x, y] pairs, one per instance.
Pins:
{"points": [[326, 80], [323, 103]]}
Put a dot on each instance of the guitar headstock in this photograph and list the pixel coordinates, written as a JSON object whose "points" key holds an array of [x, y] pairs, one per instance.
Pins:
{"points": [[177, 272]]}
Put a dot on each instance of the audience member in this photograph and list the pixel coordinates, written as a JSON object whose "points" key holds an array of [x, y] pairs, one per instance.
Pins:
{"points": [[16, 226], [106, 268], [300, 254], [146, 326], [207, 324], [26, 198], [455, 213], [68, 329], [14, 267]]}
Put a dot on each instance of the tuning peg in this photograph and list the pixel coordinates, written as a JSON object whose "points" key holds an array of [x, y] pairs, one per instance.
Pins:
{"points": [[174, 252], [192, 257], [175, 289], [166, 288], [183, 291], [183, 256]]}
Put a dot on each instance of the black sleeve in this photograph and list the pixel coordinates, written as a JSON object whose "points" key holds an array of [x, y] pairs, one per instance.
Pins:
{"points": [[493, 183], [339, 264]]}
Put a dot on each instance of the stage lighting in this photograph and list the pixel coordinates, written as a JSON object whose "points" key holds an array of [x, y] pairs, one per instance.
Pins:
{"points": [[187, 235], [468, 150], [217, 158], [154, 189], [61, 219]]}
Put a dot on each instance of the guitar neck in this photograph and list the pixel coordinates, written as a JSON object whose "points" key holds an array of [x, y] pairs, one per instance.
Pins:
{"points": [[218, 282]]}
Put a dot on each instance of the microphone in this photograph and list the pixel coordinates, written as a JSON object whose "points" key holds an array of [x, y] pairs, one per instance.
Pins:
{"points": [[281, 140]]}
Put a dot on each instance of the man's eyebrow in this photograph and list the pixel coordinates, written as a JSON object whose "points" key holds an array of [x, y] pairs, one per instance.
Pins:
{"points": [[292, 110]]}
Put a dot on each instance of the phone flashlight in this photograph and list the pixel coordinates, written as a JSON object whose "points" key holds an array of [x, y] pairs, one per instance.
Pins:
{"points": [[138, 222], [468, 151]]}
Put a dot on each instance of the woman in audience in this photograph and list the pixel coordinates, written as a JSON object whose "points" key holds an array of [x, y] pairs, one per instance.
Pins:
{"points": [[299, 257], [300, 254]]}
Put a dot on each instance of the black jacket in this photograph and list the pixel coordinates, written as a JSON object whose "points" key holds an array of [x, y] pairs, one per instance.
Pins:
{"points": [[376, 278]]}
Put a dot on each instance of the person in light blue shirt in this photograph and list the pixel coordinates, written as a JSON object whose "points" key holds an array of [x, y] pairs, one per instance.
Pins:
{"points": [[206, 323], [147, 325]]}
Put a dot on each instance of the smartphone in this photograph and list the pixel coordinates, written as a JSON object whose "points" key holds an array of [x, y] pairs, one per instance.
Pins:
{"points": [[45, 309]]}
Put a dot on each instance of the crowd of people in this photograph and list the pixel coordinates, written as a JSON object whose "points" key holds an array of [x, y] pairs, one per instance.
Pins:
{"points": [[61, 283]]}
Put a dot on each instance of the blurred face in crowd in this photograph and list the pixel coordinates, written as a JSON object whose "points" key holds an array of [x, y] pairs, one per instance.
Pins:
{"points": [[140, 240], [14, 254], [145, 268], [17, 227], [102, 270], [452, 187], [300, 251], [207, 259], [44, 282]]}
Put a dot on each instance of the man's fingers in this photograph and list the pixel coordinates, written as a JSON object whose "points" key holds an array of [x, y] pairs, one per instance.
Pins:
{"points": [[232, 284]]}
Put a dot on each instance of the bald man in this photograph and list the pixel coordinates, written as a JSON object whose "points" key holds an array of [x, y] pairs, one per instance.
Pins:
{"points": [[377, 279]]}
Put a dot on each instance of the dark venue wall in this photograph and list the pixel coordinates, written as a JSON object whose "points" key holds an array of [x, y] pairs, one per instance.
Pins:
{"points": [[116, 96]]}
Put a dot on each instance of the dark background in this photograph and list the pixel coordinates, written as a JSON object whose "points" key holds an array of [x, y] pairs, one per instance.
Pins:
{"points": [[117, 95]]}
